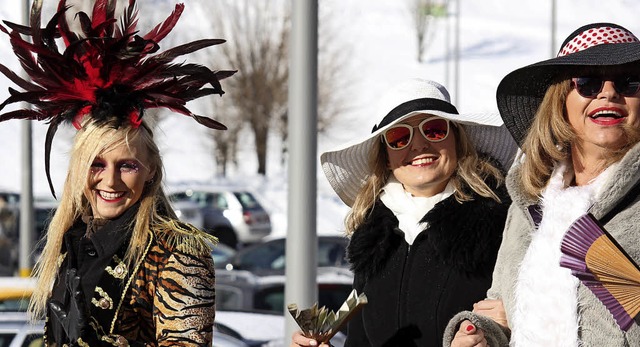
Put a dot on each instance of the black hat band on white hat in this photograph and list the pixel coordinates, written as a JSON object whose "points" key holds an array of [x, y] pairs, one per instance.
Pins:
{"points": [[415, 105]]}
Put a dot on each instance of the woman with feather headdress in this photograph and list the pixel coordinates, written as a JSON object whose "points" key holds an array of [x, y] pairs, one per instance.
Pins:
{"points": [[118, 268]]}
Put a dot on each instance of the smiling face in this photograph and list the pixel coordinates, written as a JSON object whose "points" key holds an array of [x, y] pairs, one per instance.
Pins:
{"points": [[599, 122], [117, 179], [424, 168]]}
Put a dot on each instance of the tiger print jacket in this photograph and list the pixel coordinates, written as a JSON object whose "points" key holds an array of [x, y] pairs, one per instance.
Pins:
{"points": [[166, 298]]}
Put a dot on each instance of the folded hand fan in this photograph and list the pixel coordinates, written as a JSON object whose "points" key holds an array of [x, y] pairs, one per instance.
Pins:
{"points": [[594, 257]]}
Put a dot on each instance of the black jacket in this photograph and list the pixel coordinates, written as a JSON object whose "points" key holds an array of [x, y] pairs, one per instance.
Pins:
{"points": [[414, 290], [151, 303]]}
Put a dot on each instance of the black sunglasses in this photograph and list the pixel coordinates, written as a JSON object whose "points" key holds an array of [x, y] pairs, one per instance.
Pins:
{"points": [[590, 87]]}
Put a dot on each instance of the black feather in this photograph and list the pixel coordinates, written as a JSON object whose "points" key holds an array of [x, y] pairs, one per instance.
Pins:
{"points": [[51, 131], [105, 65]]}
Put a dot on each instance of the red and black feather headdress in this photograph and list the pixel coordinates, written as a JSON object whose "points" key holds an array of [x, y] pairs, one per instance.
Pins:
{"points": [[107, 70]]}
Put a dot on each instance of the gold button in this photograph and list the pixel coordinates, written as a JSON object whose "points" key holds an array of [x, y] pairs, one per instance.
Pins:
{"points": [[122, 342], [104, 303], [120, 269]]}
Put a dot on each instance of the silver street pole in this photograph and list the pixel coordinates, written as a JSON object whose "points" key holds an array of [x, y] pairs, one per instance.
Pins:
{"points": [[302, 240], [26, 195]]}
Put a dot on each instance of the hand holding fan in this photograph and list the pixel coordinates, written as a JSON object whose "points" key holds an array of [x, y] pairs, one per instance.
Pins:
{"points": [[594, 257], [321, 323]]}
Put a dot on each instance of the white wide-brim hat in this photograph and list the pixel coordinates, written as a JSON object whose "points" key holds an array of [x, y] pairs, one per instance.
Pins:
{"points": [[347, 167]]}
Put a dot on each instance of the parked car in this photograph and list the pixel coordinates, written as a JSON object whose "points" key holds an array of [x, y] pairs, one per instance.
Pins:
{"points": [[233, 215], [17, 331], [43, 210], [9, 196], [243, 290], [231, 329], [268, 257], [188, 212], [15, 293], [9, 208]]}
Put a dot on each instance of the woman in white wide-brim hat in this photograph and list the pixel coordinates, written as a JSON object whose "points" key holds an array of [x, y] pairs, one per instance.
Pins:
{"points": [[577, 120], [428, 210]]}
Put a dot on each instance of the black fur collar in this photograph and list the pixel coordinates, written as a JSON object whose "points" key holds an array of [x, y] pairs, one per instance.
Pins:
{"points": [[465, 236]]}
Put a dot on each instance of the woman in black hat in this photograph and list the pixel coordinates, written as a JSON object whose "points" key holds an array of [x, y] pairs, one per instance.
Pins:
{"points": [[428, 209], [576, 118]]}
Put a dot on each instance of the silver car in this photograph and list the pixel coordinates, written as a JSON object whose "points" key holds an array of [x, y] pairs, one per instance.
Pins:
{"points": [[17, 331], [234, 215]]}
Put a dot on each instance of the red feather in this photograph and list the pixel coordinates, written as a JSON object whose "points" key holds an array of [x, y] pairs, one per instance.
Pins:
{"points": [[106, 69], [163, 29]]}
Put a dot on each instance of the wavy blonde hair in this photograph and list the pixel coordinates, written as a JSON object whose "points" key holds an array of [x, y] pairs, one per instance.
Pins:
{"points": [[471, 171], [549, 140], [90, 141]]}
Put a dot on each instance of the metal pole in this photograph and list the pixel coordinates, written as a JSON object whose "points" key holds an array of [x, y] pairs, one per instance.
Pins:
{"points": [[456, 65], [302, 240], [26, 195], [553, 28], [447, 51]]}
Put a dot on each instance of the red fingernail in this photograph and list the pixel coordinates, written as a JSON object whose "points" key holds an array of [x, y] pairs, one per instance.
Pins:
{"points": [[470, 327]]}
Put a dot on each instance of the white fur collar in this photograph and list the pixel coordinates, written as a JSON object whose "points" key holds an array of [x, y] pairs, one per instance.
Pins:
{"points": [[546, 294], [410, 209]]}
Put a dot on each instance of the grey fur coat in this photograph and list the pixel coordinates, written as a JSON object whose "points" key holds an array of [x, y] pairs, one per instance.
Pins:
{"points": [[596, 325]]}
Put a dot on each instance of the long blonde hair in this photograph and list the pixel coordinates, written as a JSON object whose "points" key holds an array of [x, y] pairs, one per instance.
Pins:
{"points": [[90, 141], [471, 171], [549, 140]]}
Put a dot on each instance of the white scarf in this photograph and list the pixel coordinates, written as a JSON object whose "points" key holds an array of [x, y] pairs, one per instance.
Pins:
{"points": [[410, 209], [546, 294]]}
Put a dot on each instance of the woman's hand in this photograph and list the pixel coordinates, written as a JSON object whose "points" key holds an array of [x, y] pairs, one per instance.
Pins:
{"points": [[492, 309], [469, 336], [299, 340]]}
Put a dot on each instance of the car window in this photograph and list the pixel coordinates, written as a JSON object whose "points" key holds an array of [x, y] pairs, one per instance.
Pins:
{"points": [[331, 253], [179, 197], [10, 198], [221, 253], [228, 298], [14, 305], [33, 340], [6, 338], [270, 299], [268, 256], [218, 201], [42, 218], [247, 200]]}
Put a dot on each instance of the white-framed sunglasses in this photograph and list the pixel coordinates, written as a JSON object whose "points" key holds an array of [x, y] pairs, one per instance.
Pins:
{"points": [[433, 129]]}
